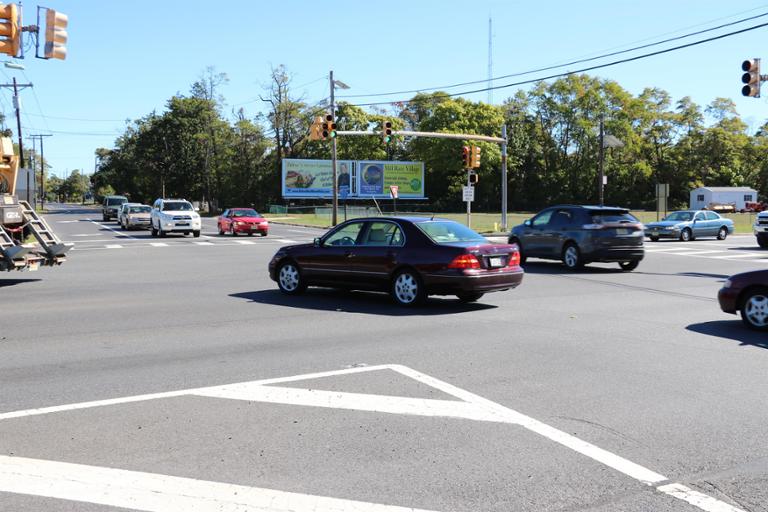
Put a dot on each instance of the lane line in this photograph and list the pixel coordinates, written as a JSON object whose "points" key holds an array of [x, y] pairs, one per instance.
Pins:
{"points": [[158, 244], [697, 499], [118, 233], [245, 242], [734, 256], [152, 492], [286, 241], [113, 246], [204, 243]]}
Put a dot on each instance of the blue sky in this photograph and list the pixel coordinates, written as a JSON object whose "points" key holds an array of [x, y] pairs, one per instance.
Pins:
{"points": [[127, 58]]}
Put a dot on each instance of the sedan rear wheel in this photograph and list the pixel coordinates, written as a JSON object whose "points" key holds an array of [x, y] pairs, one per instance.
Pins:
{"points": [[754, 309], [654, 238], [628, 266], [572, 257], [289, 279], [722, 233], [407, 289], [469, 296]]}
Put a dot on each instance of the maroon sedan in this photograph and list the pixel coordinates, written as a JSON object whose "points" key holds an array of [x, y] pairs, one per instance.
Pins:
{"points": [[242, 220], [748, 293], [410, 257]]}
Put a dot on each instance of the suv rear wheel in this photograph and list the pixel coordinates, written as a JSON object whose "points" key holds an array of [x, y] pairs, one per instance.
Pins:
{"points": [[572, 257]]}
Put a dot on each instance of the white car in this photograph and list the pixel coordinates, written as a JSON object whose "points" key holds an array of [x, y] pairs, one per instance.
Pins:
{"points": [[174, 216], [134, 215], [760, 228]]}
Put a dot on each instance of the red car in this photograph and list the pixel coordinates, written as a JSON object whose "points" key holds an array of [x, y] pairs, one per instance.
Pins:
{"points": [[242, 220], [747, 293], [410, 257]]}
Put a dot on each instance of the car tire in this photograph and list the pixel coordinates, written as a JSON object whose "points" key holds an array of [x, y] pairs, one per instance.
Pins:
{"points": [[289, 279], [232, 230], [654, 238], [722, 233], [221, 231], [572, 257], [762, 242], [754, 309], [628, 266], [407, 288], [523, 257], [104, 218], [162, 233], [686, 235], [154, 231], [196, 234], [250, 233], [467, 297]]}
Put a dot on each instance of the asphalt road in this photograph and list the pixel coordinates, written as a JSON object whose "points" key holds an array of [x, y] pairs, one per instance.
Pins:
{"points": [[592, 391]]}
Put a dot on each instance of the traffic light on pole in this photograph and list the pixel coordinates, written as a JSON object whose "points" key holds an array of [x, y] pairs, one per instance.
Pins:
{"points": [[9, 30], [465, 157], [329, 127], [473, 178], [474, 157], [386, 132], [751, 77]]}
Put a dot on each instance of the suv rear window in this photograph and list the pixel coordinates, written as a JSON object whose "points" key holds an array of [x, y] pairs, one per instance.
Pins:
{"points": [[611, 217], [112, 201]]}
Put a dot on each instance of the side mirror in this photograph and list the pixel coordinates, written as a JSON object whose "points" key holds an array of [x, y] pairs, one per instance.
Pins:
{"points": [[316, 242], [527, 223]]}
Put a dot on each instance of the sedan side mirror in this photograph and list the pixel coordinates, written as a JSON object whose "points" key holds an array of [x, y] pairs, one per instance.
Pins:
{"points": [[316, 242], [527, 222]]}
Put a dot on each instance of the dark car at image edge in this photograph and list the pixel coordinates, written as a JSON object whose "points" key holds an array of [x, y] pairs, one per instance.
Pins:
{"points": [[409, 257], [747, 293], [578, 235]]}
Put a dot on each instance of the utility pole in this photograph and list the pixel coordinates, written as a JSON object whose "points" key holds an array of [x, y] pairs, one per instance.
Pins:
{"points": [[335, 214], [601, 157], [42, 166], [17, 105], [504, 178]]}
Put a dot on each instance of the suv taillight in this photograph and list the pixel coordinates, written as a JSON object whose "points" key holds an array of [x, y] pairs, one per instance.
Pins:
{"points": [[465, 261]]}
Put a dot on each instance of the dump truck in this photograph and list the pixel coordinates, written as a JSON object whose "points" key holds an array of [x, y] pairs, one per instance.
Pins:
{"points": [[19, 221]]}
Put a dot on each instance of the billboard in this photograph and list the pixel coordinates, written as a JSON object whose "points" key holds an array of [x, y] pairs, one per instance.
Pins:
{"points": [[361, 179]]}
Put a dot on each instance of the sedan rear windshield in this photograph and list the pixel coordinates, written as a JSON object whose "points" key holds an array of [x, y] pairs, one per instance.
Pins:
{"points": [[447, 231], [612, 217], [177, 206], [140, 209], [112, 201]]}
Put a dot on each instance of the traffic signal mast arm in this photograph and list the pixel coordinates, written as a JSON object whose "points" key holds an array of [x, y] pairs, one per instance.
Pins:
{"points": [[434, 135]]}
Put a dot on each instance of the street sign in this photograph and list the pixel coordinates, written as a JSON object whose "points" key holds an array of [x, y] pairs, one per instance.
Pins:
{"points": [[468, 194], [393, 191]]}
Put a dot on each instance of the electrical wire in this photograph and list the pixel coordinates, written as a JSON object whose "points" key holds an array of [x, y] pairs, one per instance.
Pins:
{"points": [[570, 63], [582, 70]]}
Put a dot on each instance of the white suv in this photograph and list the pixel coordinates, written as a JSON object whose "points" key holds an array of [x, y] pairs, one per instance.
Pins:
{"points": [[174, 216], [760, 228]]}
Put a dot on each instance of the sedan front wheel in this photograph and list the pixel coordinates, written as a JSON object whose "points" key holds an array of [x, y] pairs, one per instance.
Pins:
{"points": [[407, 289], [754, 309], [289, 279]]}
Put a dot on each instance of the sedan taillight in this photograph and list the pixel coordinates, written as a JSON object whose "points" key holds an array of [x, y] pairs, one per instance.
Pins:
{"points": [[514, 259], [465, 261]]}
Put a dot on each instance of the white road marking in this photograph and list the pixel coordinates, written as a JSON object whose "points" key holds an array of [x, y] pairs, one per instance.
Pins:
{"points": [[734, 256], [286, 241], [89, 234], [245, 242], [66, 221], [203, 243], [158, 244], [666, 249], [152, 492], [471, 406], [695, 253], [103, 225], [113, 246], [697, 499]]}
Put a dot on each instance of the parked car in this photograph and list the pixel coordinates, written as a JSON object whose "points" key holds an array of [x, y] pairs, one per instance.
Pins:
{"points": [[242, 220], [174, 216], [578, 235], [747, 293], [135, 216], [688, 225], [111, 206], [411, 257], [760, 229]]}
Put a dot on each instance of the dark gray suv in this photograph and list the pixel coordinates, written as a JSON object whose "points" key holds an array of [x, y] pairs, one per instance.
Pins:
{"points": [[582, 234]]}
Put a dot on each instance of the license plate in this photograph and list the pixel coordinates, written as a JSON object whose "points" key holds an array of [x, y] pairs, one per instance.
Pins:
{"points": [[654, 233], [496, 261], [183, 224], [622, 231]]}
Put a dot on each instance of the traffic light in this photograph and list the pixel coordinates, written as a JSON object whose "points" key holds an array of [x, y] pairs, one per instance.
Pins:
{"points": [[316, 130], [474, 157], [329, 127], [9, 30], [465, 158], [751, 77], [473, 178], [55, 35], [386, 132]]}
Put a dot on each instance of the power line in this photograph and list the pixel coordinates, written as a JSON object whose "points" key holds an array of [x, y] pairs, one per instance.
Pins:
{"points": [[570, 63], [582, 70]]}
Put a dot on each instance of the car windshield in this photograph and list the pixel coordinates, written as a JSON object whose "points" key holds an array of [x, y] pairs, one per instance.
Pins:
{"points": [[610, 217], [679, 216], [245, 213], [140, 209], [447, 231], [177, 206], [112, 201]]}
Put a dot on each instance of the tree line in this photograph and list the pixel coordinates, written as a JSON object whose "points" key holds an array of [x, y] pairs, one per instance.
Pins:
{"points": [[193, 149]]}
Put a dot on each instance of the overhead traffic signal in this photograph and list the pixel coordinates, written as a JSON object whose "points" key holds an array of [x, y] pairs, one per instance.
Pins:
{"points": [[55, 35], [474, 157], [329, 127], [751, 78], [386, 132], [9, 30], [465, 157]]}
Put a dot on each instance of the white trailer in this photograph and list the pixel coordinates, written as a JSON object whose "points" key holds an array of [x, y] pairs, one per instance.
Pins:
{"points": [[702, 197]]}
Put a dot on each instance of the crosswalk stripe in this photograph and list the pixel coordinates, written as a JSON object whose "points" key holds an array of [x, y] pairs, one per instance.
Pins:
{"points": [[245, 242], [158, 244], [286, 241], [113, 246], [204, 243], [734, 256]]}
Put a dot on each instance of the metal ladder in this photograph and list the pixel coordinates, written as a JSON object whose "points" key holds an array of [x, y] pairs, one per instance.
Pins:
{"points": [[54, 249], [12, 254]]}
